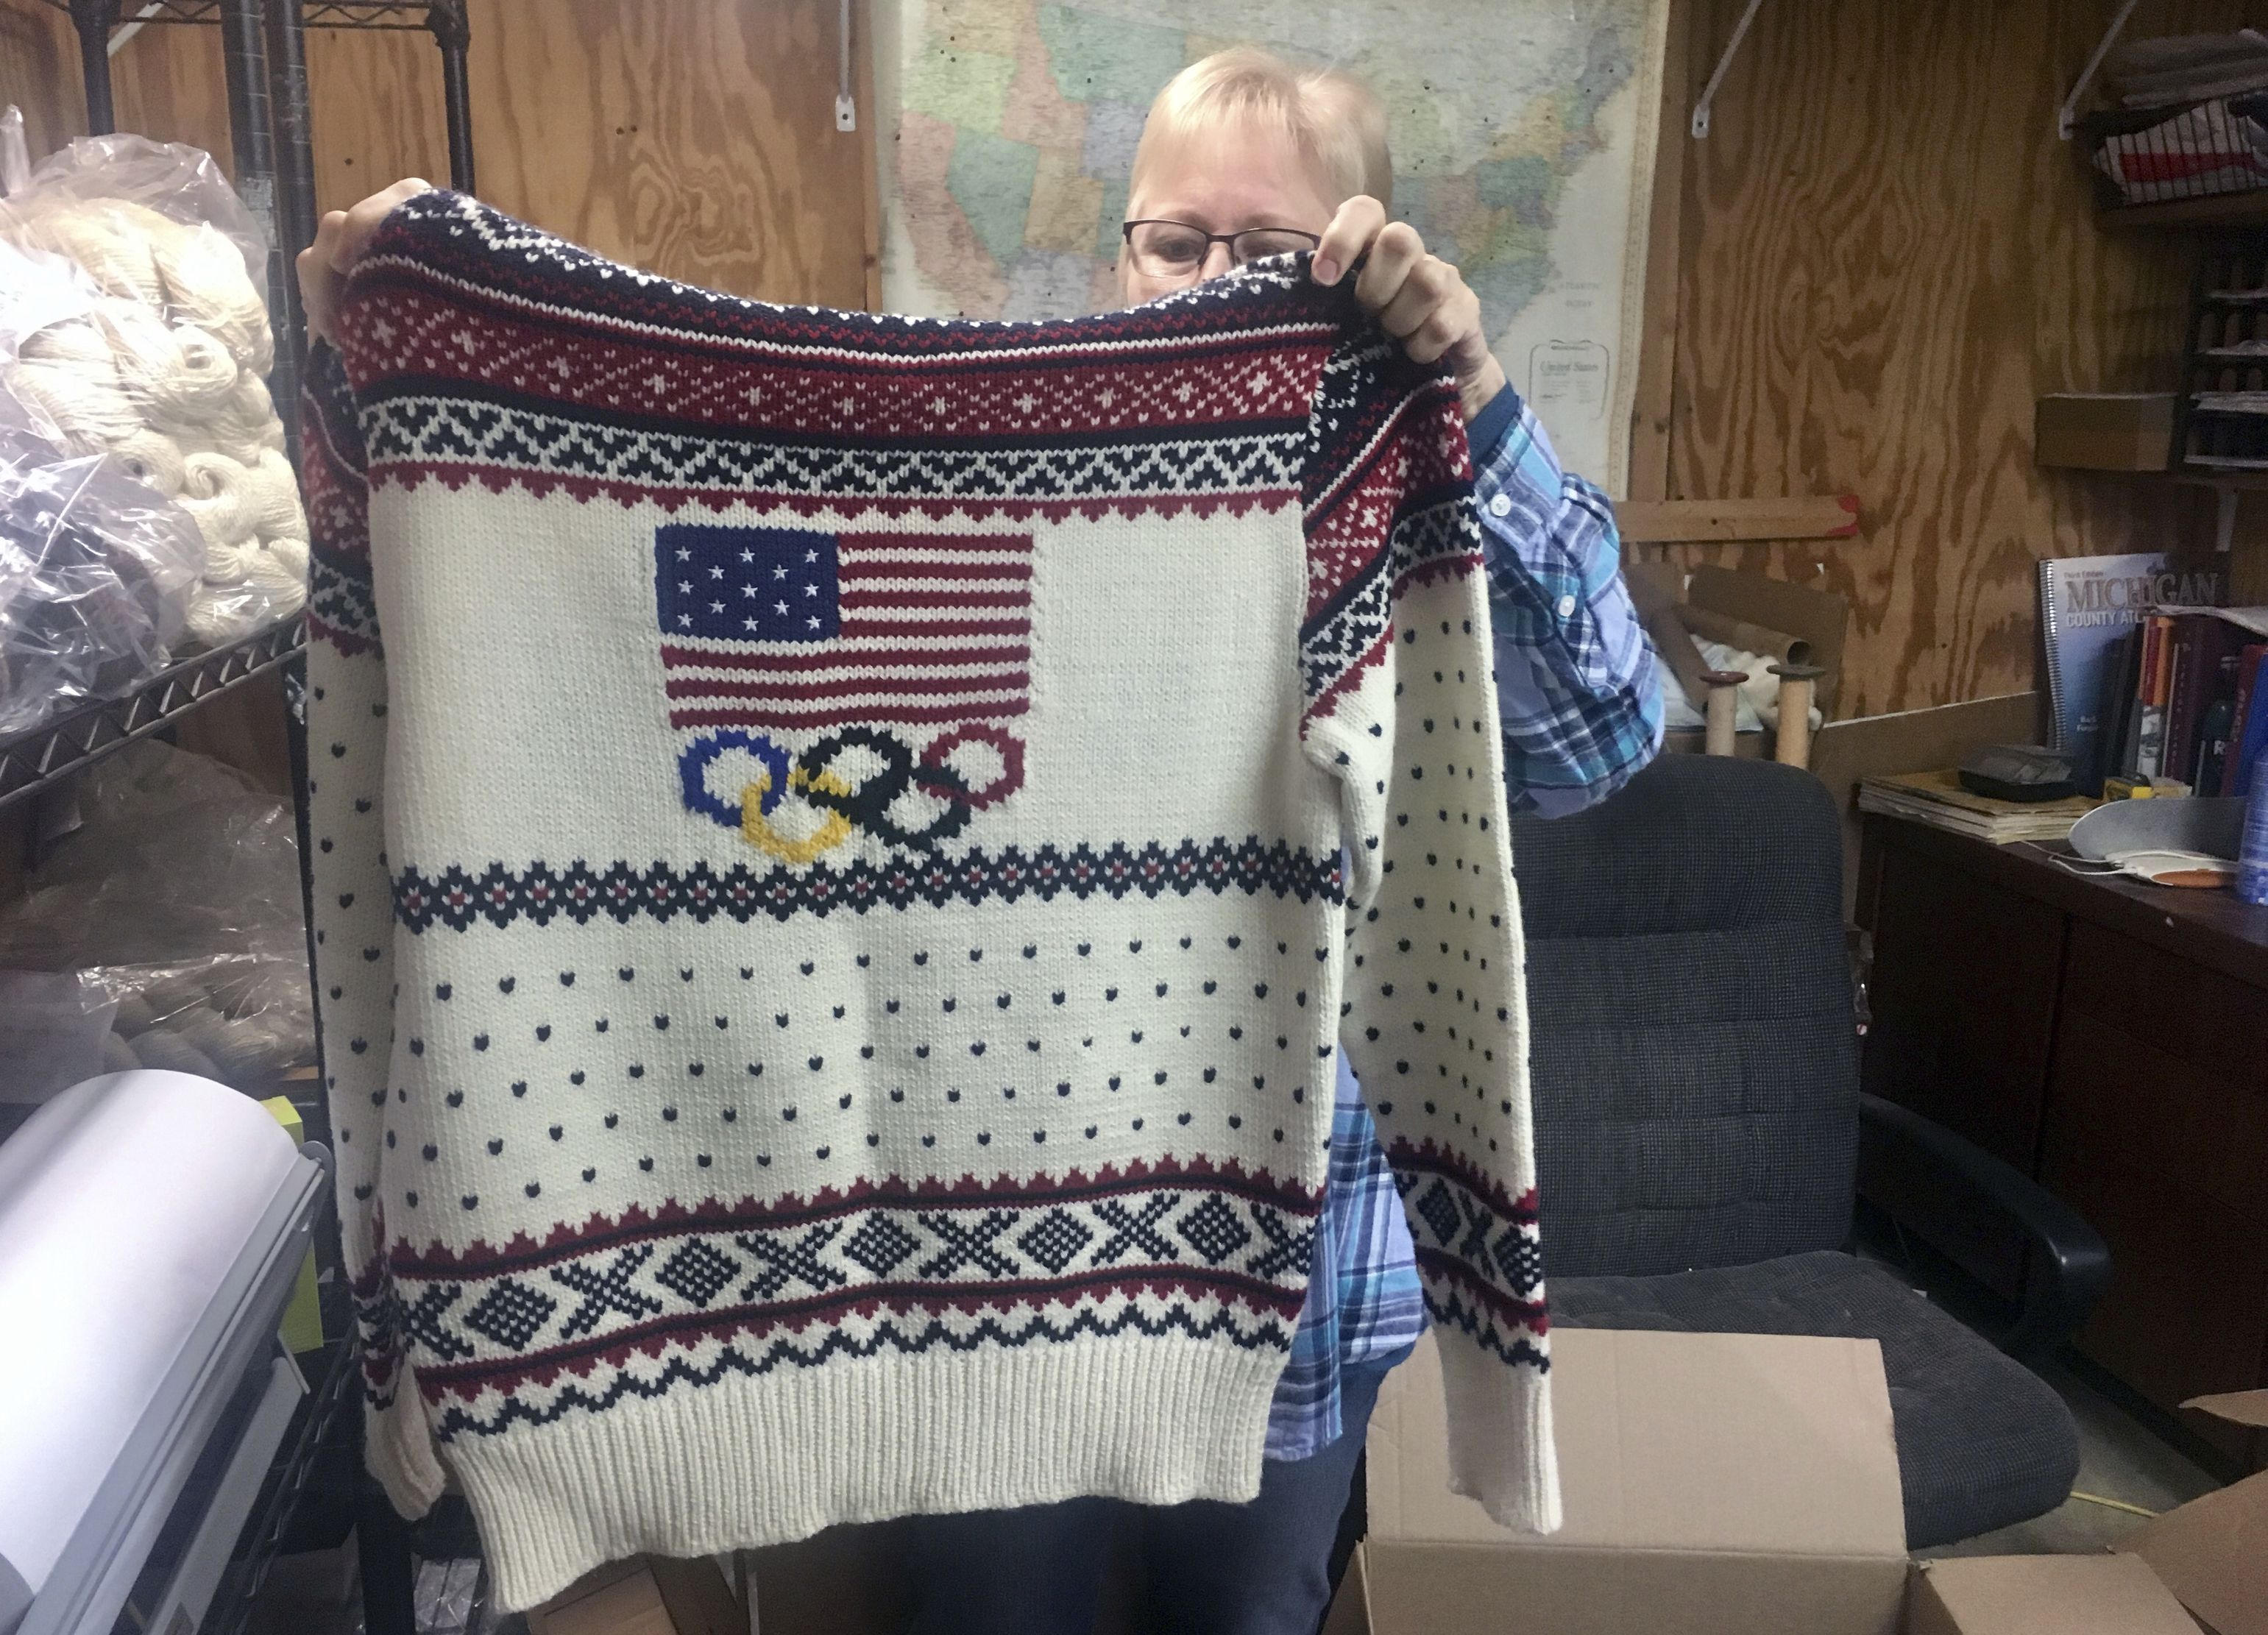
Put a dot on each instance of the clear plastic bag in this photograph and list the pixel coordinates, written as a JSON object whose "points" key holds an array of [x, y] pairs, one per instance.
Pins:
{"points": [[178, 899], [54, 1031], [177, 182], [159, 364], [96, 573]]}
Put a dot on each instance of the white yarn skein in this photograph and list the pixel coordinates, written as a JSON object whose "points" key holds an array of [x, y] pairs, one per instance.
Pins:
{"points": [[282, 573], [217, 492], [245, 586], [282, 515], [151, 457], [91, 411], [177, 375], [232, 501], [107, 236], [245, 423], [74, 340], [206, 283]]}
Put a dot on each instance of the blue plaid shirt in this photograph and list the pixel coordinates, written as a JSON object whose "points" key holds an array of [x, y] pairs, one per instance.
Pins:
{"points": [[1582, 711]]}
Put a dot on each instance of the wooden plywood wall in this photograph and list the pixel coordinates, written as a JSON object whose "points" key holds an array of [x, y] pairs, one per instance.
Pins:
{"points": [[695, 137], [1865, 276], [1885, 255]]}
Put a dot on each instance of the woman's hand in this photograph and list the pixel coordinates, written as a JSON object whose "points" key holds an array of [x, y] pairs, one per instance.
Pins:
{"points": [[339, 239], [1418, 298]]}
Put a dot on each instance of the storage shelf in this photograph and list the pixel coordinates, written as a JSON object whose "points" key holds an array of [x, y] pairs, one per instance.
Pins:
{"points": [[2243, 211], [32, 760], [287, 1479], [397, 14]]}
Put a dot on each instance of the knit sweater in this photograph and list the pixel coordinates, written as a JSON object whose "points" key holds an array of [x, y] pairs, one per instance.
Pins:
{"points": [[843, 847]]}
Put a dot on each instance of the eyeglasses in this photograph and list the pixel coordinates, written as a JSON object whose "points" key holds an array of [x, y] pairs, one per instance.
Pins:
{"points": [[1173, 249]]}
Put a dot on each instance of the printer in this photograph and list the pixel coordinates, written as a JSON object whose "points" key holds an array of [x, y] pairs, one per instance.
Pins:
{"points": [[152, 1225]]}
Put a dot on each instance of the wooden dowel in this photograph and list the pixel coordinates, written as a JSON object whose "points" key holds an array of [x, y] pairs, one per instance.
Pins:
{"points": [[1797, 684], [1724, 709]]}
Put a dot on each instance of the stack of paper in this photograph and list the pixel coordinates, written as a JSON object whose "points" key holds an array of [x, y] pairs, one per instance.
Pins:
{"points": [[1938, 800]]}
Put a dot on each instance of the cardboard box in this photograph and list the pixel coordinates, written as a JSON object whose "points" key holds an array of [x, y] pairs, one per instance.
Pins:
{"points": [[1745, 1482], [1713, 1484], [644, 1595], [2212, 1552], [2104, 430], [2043, 1595]]}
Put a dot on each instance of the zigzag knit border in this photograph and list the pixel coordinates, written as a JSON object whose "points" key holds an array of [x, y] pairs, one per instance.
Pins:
{"points": [[456, 896]]}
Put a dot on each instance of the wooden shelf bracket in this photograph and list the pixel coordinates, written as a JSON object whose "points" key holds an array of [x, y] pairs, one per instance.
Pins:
{"points": [[2067, 115], [1724, 62], [1695, 521]]}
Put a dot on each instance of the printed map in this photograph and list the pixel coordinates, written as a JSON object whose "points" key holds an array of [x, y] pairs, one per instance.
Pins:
{"points": [[1522, 133]]}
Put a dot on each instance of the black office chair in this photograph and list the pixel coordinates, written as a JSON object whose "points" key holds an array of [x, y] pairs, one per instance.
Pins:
{"points": [[1700, 1132]]}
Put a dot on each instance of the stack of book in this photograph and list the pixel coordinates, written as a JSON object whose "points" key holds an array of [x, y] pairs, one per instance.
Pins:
{"points": [[1938, 800], [2146, 678], [2181, 698]]}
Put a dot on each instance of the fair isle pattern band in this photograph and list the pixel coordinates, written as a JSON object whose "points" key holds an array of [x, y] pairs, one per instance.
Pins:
{"points": [[511, 359], [457, 898], [1480, 1253], [620, 1305]]}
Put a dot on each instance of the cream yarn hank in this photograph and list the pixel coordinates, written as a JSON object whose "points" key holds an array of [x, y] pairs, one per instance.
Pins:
{"points": [[163, 376], [177, 374], [245, 586], [88, 408], [255, 543], [205, 283], [110, 237], [234, 501]]}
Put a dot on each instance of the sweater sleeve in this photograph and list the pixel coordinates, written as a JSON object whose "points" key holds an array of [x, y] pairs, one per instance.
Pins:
{"points": [[353, 911], [1401, 711]]}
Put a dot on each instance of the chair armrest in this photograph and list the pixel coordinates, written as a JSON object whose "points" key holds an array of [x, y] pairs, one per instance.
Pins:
{"points": [[1920, 1173]]}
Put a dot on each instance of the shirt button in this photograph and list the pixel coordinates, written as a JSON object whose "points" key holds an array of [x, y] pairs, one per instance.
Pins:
{"points": [[1500, 506], [1566, 606]]}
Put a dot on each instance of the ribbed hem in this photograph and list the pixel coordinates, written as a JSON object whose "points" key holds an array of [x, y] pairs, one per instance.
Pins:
{"points": [[1501, 1449], [762, 1460]]}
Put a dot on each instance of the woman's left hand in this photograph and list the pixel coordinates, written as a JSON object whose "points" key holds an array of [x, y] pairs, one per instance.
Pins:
{"points": [[1418, 298]]}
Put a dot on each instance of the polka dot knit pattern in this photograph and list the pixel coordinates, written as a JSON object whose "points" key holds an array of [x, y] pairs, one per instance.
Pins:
{"points": [[845, 846]]}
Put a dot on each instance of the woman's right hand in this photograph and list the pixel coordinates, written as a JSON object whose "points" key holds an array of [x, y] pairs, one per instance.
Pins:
{"points": [[340, 238]]}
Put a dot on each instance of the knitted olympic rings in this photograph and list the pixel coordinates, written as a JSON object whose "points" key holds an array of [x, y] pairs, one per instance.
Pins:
{"points": [[830, 777], [759, 833], [937, 777], [693, 772]]}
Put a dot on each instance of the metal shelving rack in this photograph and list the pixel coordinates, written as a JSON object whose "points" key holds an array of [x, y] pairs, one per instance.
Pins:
{"points": [[34, 760], [263, 55], [264, 58]]}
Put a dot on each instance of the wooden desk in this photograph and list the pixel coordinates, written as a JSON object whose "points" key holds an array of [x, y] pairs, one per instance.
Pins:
{"points": [[2110, 1038]]}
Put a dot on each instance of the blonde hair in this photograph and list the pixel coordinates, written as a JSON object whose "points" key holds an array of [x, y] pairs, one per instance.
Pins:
{"points": [[1334, 119]]}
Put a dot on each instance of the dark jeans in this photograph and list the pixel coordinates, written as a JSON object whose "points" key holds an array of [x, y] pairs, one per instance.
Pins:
{"points": [[1261, 1568]]}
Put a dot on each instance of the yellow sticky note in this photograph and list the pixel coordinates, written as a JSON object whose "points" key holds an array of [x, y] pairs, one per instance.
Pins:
{"points": [[303, 1319]]}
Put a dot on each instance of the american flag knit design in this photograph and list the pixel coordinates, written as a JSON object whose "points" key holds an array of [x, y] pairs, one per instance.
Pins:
{"points": [[831, 929]]}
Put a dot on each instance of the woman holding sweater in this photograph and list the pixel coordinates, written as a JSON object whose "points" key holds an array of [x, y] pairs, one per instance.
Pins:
{"points": [[1242, 157]]}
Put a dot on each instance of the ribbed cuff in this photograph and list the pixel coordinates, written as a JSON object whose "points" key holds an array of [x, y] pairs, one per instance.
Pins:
{"points": [[398, 1449], [749, 1462], [1500, 1447]]}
